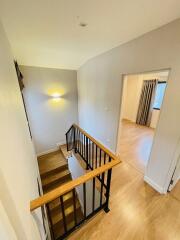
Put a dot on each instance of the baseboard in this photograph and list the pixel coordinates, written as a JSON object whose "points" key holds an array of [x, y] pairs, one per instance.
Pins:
{"points": [[48, 151], [60, 143], [154, 185], [53, 149]]}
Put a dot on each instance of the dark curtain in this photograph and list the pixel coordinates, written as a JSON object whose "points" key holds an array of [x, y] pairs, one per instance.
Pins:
{"points": [[146, 102]]}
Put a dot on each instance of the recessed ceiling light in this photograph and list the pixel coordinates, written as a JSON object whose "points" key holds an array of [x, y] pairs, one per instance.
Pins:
{"points": [[83, 24]]}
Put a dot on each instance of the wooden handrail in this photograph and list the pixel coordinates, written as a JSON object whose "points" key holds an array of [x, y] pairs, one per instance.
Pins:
{"points": [[100, 145], [67, 187]]}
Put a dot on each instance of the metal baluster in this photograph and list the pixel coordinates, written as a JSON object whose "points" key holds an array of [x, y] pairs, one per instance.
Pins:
{"points": [[87, 154], [63, 214], [102, 184], [84, 146], [74, 205], [84, 197], [67, 142], [96, 156], [100, 158], [104, 158], [81, 141], [92, 155], [78, 141], [75, 140], [50, 221], [81, 144], [93, 196]]}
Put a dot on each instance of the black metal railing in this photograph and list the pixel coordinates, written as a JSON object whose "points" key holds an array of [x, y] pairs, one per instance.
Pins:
{"points": [[78, 200], [95, 196], [88, 148]]}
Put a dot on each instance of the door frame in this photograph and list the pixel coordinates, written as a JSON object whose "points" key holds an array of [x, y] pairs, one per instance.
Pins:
{"points": [[175, 163], [123, 76]]}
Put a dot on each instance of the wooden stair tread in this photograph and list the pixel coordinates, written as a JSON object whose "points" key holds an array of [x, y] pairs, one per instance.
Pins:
{"points": [[54, 173], [64, 151], [52, 161], [59, 227], [55, 184], [67, 198], [55, 177], [69, 212]]}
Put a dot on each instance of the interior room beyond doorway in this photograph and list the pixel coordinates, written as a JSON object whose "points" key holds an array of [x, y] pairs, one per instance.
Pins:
{"points": [[141, 104]]}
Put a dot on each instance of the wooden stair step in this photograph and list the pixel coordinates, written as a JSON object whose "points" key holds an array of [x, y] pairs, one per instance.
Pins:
{"points": [[67, 199], [57, 217], [59, 227], [56, 180], [56, 184], [52, 162], [56, 176], [64, 151]]}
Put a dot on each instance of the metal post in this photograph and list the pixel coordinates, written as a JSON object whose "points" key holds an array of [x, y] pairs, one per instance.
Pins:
{"points": [[106, 209]]}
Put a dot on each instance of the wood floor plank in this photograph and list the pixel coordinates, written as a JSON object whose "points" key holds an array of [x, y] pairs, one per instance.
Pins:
{"points": [[135, 144], [137, 212]]}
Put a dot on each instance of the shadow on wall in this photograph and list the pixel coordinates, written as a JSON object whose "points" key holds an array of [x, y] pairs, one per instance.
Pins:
{"points": [[10, 208]]}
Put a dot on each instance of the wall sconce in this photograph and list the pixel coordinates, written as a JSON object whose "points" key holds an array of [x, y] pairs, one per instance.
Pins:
{"points": [[56, 97]]}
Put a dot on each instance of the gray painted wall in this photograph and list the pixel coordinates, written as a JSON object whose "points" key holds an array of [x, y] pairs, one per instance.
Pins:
{"points": [[49, 119], [100, 89]]}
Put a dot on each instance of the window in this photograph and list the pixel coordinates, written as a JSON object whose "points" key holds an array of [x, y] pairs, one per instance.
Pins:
{"points": [[161, 86]]}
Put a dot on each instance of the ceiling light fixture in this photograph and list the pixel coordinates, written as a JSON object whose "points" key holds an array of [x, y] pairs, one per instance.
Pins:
{"points": [[83, 24]]}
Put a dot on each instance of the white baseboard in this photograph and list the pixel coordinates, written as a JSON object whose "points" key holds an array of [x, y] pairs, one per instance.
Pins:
{"points": [[48, 151], [61, 143], [154, 185], [52, 149]]}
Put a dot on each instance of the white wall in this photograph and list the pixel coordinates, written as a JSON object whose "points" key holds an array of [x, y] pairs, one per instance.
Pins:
{"points": [[18, 165], [49, 119], [131, 96], [100, 89], [6, 230], [154, 118]]}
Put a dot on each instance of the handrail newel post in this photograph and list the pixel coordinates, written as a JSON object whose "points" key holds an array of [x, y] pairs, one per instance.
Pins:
{"points": [[67, 142], [106, 209]]}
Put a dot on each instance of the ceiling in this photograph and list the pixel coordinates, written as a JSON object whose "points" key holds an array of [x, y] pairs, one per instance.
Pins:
{"points": [[46, 33]]}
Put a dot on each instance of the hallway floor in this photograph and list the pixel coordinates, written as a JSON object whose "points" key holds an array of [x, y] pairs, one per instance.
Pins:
{"points": [[135, 144], [137, 212]]}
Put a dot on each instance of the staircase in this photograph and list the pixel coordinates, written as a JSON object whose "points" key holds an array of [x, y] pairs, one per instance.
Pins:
{"points": [[67, 210], [54, 172]]}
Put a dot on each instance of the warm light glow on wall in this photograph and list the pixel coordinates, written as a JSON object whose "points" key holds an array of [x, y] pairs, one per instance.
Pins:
{"points": [[56, 97]]}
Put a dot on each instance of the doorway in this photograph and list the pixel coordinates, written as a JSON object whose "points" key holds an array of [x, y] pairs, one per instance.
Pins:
{"points": [[174, 186], [141, 104]]}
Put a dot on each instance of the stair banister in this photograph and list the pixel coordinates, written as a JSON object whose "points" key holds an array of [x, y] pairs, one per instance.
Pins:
{"points": [[67, 187], [100, 161]]}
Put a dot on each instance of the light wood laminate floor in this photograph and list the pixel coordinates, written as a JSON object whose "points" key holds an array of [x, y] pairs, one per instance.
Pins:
{"points": [[135, 144], [137, 212]]}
